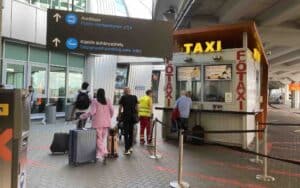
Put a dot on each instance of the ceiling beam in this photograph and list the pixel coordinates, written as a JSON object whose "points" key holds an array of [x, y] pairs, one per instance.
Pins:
{"points": [[289, 57], [279, 13], [233, 10]]}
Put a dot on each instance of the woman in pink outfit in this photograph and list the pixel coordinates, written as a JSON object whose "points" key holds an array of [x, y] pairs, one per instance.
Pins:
{"points": [[101, 111]]}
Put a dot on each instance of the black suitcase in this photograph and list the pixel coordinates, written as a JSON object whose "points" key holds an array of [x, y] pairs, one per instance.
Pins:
{"points": [[60, 143], [82, 146]]}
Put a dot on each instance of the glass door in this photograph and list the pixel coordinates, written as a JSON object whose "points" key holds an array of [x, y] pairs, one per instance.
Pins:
{"points": [[38, 82], [15, 74], [57, 87], [75, 80]]}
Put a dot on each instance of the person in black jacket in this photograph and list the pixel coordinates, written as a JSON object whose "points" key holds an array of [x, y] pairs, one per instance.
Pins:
{"points": [[128, 114]]}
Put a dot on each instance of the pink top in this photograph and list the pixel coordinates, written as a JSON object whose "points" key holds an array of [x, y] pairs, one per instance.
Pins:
{"points": [[101, 114]]}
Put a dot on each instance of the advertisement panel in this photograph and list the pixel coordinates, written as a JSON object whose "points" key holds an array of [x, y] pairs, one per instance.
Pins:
{"points": [[218, 72], [103, 34], [189, 73]]}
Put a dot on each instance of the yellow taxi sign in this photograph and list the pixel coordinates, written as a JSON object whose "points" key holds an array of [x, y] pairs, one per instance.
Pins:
{"points": [[4, 109]]}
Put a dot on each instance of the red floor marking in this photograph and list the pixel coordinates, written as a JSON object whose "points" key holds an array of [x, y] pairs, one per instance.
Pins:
{"points": [[269, 147], [282, 148], [285, 173], [220, 180], [292, 143], [232, 165]]}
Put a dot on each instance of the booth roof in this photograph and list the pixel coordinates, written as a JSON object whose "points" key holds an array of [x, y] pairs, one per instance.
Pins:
{"points": [[231, 36]]}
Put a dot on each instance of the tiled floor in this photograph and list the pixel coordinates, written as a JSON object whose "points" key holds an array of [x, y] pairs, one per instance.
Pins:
{"points": [[204, 166]]}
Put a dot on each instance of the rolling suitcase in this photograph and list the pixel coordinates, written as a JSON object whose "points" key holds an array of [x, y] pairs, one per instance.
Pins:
{"points": [[113, 143], [82, 146], [60, 143]]}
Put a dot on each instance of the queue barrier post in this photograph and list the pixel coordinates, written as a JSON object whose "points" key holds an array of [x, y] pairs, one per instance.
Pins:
{"points": [[155, 155], [265, 176], [256, 160], [179, 183]]}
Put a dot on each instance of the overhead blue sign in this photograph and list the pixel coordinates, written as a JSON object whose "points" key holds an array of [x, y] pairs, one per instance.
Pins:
{"points": [[71, 19], [72, 43], [103, 34]]}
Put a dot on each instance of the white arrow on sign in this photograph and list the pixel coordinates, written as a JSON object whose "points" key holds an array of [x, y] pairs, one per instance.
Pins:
{"points": [[56, 41], [57, 17]]}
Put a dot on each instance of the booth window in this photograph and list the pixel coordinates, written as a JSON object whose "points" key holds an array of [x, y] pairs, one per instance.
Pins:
{"points": [[218, 82], [189, 79]]}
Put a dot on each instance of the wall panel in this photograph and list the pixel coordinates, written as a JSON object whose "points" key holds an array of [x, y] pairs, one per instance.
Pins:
{"points": [[23, 22], [139, 77]]}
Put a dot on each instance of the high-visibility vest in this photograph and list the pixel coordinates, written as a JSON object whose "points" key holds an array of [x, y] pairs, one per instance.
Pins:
{"points": [[145, 106]]}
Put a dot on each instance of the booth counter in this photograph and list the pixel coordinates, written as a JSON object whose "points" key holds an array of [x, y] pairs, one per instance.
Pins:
{"points": [[225, 81]]}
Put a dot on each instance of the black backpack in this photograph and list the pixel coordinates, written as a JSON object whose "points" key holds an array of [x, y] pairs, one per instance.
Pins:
{"points": [[83, 101]]}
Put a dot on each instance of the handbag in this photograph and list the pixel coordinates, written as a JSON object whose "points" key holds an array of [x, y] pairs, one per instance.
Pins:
{"points": [[175, 114], [174, 119]]}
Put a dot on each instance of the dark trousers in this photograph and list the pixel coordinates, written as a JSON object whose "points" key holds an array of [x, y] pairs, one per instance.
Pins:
{"points": [[128, 130], [183, 124], [81, 123]]}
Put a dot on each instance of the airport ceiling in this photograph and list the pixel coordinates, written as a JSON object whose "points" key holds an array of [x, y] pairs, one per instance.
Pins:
{"points": [[278, 23]]}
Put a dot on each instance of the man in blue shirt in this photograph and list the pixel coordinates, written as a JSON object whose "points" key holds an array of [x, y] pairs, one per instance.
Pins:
{"points": [[184, 105]]}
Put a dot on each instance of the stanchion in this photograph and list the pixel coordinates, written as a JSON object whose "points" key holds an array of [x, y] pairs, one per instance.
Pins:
{"points": [[256, 160], [179, 183], [264, 176], [154, 154]]}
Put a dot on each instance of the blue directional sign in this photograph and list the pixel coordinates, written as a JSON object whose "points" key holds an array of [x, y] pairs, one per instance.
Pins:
{"points": [[71, 19], [71, 43], [102, 34]]}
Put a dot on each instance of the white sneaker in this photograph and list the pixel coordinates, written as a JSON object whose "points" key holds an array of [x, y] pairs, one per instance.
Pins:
{"points": [[130, 150]]}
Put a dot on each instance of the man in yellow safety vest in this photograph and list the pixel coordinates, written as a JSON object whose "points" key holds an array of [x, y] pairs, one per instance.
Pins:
{"points": [[145, 114]]}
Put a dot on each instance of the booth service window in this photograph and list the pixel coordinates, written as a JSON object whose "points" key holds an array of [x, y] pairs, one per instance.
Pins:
{"points": [[218, 83], [189, 79]]}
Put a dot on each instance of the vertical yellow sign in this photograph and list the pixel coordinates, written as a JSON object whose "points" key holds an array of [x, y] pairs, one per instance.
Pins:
{"points": [[4, 109]]}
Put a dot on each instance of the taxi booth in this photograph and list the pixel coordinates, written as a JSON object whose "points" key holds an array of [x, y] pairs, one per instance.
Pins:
{"points": [[226, 70]]}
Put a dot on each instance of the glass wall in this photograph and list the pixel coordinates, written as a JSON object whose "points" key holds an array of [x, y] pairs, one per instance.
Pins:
{"points": [[79, 5], [15, 75], [217, 82], [54, 76], [38, 82], [74, 84], [189, 79], [57, 87]]}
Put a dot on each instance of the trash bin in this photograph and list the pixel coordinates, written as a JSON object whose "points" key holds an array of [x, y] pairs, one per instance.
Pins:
{"points": [[68, 112], [14, 134], [51, 114]]}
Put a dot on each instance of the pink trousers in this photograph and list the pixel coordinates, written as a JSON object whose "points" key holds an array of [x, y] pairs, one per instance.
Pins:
{"points": [[101, 141]]}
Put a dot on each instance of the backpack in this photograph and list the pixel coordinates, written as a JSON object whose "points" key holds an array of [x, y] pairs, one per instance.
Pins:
{"points": [[83, 101]]}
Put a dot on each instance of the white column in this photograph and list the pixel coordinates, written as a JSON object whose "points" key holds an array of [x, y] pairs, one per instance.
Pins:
{"points": [[286, 97], [297, 99], [88, 71]]}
